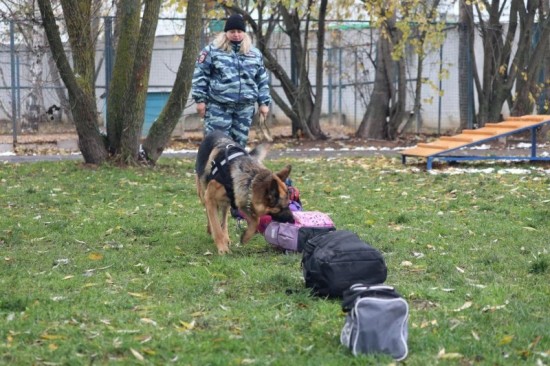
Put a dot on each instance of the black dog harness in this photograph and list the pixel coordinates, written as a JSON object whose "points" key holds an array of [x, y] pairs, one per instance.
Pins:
{"points": [[220, 169]]}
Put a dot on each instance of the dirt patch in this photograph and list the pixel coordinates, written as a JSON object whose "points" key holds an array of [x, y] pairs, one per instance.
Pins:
{"points": [[338, 137]]}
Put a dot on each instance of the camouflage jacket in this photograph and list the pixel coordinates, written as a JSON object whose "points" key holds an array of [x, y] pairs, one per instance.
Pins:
{"points": [[230, 77]]}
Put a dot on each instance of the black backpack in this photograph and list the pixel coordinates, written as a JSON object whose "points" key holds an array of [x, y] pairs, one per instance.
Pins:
{"points": [[334, 261]]}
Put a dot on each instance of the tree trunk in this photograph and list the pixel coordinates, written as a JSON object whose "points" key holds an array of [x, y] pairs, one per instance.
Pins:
{"points": [[503, 69], [161, 130], [465, 46], [386, 106], [81, 89], [315, 116], [375, 121], [527, 88], [417, 107], [300, 91], [134, 106], [398, 98], [129, 13]]}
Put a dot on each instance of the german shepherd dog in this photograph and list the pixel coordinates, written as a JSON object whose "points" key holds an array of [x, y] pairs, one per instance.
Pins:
{"points": [[229, 176]]}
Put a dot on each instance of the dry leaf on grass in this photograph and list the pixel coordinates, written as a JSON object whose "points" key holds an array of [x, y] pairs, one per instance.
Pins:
{"points": [[506, 340], [95, 256], [465, 306], [442, 355], [148, 321], [137, 355]]}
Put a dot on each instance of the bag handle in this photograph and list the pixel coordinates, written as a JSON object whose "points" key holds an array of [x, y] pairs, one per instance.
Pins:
{"points": [[361, 290]]}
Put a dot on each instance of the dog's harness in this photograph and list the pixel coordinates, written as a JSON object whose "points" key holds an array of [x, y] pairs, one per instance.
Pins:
{"points": [[220, 170]]}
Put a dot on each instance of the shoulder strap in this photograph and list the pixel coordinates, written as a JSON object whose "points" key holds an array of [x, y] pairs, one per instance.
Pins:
{"points": [[359, 290]]}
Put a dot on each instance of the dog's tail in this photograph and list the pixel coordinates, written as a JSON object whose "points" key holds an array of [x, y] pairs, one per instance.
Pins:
{"points": [[260, 152]]}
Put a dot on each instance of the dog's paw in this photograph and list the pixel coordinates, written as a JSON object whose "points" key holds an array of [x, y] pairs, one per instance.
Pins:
{"points": [[226, 239], [223, 250]]}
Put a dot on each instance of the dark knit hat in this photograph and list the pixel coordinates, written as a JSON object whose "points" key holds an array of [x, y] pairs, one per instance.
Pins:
{"points": [[235, 21]]}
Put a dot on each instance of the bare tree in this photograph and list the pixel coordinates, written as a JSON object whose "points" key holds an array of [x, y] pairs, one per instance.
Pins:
{"points": [[401, 26], [511, 58], [130, 76], [386, 106]]}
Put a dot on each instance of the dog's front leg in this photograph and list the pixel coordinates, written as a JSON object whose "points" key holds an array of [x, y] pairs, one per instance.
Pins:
{"points": [[252, 227], [200, 193], [225, 222], [213, 205], [215, 227]]}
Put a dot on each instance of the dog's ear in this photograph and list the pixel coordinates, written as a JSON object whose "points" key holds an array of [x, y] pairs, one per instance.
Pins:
{"points": [[260, 152], [273, 195], [284, 173]]}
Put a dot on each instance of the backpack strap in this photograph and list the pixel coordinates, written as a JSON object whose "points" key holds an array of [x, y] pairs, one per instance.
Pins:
{"points": [[359, 290]]}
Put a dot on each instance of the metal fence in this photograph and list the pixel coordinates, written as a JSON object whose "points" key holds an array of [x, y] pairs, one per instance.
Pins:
{"points": [[34, 100]]}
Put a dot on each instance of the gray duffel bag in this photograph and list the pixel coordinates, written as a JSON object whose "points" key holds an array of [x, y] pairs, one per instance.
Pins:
{"points": [[376, 321]]}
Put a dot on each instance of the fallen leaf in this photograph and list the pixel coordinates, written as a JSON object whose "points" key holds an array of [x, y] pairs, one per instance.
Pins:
{"points": [[187, 326], [51, 337], [465, 306], [506, 340], [492, 308], [61, 261], [95, 256], [535, 342], [137, 355], [148, 321], [144, 339], [425, 324], [448, 356]]}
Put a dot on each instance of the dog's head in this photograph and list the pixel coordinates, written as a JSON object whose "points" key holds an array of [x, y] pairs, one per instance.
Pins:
{"points": [[273, 196]]}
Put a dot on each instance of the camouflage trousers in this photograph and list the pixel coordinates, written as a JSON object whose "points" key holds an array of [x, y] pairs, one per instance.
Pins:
{"points": [[232, 119]]}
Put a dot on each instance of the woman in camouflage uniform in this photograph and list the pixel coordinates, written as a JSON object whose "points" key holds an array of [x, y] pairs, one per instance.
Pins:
{"points": [[229, 80]]}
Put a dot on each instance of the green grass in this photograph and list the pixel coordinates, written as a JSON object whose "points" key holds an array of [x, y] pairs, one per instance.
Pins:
{"points": [[107, 265]]}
